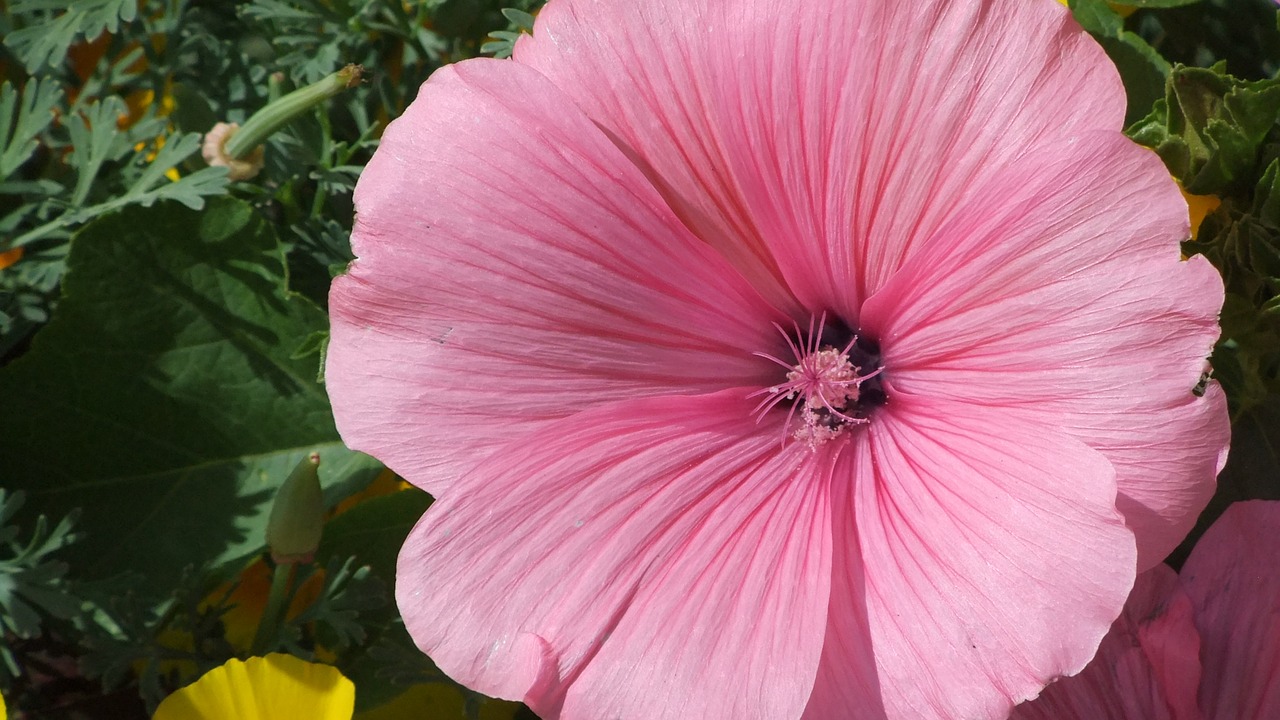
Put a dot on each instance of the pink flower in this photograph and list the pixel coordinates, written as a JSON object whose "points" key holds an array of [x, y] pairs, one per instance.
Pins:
{"points": [[777, 360], [1203, 645]]}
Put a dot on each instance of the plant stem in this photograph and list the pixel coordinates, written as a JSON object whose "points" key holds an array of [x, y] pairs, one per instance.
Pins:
{"points": [[277, 602], [278, 113]]}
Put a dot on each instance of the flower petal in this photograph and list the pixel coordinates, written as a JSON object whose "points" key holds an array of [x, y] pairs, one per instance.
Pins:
{"points": [[263, 688], [1147, 667], [656, 559], [848, 679], [514, 268], [1059, 294], [817, 144], [994, 559], [1234, 584]]}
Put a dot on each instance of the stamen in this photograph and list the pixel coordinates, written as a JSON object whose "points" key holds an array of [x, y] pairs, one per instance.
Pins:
{"points": [[824, 384]]}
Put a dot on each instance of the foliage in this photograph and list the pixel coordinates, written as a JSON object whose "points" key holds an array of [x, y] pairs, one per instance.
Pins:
{"points": [[504, 41], [32, 584], [161, 342], [201, 364], [1142, 69]]}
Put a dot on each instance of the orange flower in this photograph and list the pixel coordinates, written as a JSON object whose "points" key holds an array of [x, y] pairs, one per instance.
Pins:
{"points": [[7, 258]]}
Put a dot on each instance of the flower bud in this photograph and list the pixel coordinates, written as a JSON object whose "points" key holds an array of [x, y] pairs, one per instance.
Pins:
{"points": [[215, 153], [297, 516], [240, 148]]}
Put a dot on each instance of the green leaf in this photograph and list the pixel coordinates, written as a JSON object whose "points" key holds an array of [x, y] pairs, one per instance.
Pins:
{"points": [[34, 112], [162, 398], [1158, 3], [1210, 128], [190, 190], [503, 42], [374, 530], [1097, 17], [1266, 196], [94, 140], [1142, 70], [55, 24], [519, 18]]}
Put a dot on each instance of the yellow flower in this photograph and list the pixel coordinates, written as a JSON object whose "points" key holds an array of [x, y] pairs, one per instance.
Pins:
{"points": [[275, 687]]}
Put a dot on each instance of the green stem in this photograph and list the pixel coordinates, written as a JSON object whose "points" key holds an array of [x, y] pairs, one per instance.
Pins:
{"points": [[71, 218], [280, 112], [273, 613]]}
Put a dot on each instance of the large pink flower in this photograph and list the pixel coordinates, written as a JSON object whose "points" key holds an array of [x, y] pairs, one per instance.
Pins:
{"points": [[1203, 645], [777, 360]]}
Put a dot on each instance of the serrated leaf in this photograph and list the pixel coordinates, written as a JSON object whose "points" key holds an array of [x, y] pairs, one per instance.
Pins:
{"points": [[162, 398], [1210, 127]]}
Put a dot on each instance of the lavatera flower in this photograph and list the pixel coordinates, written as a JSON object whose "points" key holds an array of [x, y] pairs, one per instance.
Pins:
{"points": [[815, 360]]}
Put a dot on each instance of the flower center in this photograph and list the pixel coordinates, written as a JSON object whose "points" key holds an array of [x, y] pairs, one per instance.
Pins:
{"points": [[832, 384]]}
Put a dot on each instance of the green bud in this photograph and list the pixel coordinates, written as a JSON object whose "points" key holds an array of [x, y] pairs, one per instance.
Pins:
{"points": [[297, 516], [277, 113]]}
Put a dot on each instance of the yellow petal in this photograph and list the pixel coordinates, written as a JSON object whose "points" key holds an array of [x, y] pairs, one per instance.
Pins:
{"points": [[1198, 208], [275, 687]]}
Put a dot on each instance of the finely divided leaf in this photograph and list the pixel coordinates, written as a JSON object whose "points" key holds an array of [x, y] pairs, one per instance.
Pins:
{"points": [[54, 24], [22, 119]]}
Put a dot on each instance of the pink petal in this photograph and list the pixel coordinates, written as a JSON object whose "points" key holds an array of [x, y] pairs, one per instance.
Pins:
{"points": [[649, 560], [994, 559], [515, 268], [817, 144], [1147, 668], [1059, 293], [1234, 583], [848, 679]]}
